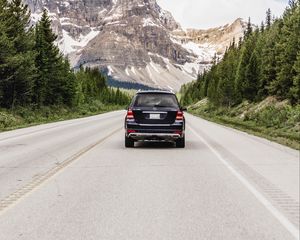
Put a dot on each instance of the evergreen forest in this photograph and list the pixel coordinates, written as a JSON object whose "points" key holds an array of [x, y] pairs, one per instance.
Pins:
{"points": [[34, 73], [265, 62]]}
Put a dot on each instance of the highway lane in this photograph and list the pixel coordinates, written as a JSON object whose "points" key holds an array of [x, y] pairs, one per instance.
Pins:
{"points": [[30, 152], [79, 182]]}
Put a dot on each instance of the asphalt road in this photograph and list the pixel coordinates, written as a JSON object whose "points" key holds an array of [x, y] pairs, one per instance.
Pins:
{"points": [[75, 180]]}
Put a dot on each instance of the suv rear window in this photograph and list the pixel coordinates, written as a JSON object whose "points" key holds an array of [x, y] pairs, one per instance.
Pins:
{"points": [[156, 100]]}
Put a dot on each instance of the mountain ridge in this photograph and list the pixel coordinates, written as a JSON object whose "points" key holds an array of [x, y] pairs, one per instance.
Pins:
{"points": [[134, 41]]}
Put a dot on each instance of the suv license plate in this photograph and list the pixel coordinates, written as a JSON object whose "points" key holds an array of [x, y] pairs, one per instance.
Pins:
{"points": [[154, 116]]}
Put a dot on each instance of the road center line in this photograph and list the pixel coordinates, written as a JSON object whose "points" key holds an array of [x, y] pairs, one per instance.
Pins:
{"points": [[12, 199], [268, 205]]}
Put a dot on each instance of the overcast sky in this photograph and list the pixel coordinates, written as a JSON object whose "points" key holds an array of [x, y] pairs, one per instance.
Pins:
{"points": [[212, 13]]}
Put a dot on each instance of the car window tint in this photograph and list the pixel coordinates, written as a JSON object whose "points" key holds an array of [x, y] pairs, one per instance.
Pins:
{"points": [[156, 100]]}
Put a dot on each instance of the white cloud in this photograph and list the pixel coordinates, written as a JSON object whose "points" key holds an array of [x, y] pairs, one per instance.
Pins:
{"points": [[212, 13]]}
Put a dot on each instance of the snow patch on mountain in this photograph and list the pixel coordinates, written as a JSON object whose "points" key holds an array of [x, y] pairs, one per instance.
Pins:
{"points": [[149, 22], [68, 44]]}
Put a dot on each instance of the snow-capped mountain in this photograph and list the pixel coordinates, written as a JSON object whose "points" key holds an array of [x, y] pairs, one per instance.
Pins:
{"points": [[133, 40]]}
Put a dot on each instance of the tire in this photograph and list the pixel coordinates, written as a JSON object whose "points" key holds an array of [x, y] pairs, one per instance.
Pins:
{"points": [[180, 143], [129, 142]]}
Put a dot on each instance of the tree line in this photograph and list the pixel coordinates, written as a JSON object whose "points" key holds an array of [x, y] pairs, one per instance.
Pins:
{"points": [[265, 62], [33, 72]]}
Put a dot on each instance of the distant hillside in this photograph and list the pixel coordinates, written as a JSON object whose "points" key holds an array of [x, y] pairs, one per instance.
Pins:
{"points": [[266, 63]]}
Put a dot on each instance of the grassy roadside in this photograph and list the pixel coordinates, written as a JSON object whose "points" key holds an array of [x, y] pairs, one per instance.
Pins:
{"points": [[270, 119], [22, 117]]}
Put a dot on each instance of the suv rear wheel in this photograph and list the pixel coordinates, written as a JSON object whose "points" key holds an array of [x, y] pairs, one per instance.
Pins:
{"points": [[180, 143], [129, 142]]}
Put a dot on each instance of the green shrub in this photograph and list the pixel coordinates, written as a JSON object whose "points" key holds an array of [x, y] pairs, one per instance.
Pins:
{"points": [[278, 117], [8, 120]]}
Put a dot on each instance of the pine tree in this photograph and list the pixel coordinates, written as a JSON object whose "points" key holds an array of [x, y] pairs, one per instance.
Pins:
{"points": [[20, 68], [250, 86], [295, 91], [66, 84], [249, 29], [55, 83], [6, 50], [241, 78], [268, 19], [268, 59], [293, 4], [287, 48], [47, 55], [262, 27], [240, 43]]}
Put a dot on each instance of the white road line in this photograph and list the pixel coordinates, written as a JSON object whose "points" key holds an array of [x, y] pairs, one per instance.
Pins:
{"points": [[268, 205], [14, 198]]}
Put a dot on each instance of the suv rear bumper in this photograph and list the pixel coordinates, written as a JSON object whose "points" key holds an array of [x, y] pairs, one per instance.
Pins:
{"points": [[155, 136], [155, 132]]}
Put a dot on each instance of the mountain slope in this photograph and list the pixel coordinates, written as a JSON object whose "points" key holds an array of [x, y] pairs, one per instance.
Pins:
{"points": [[133, 40]]}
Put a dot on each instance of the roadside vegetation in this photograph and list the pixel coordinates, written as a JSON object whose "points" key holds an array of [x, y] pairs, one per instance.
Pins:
{"points": [[256, 86], [25, 116], [272, 119], [37, 84]]}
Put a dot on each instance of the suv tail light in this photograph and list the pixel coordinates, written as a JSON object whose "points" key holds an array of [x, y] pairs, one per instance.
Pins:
{"points": [[129, 114], [179, 115]]}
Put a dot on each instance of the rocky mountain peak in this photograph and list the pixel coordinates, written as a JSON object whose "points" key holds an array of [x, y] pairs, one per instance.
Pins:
{"points": [[133, 40]]}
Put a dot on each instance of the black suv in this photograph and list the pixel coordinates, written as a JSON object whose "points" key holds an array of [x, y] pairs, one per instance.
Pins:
{"points": [[155, 116]]}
